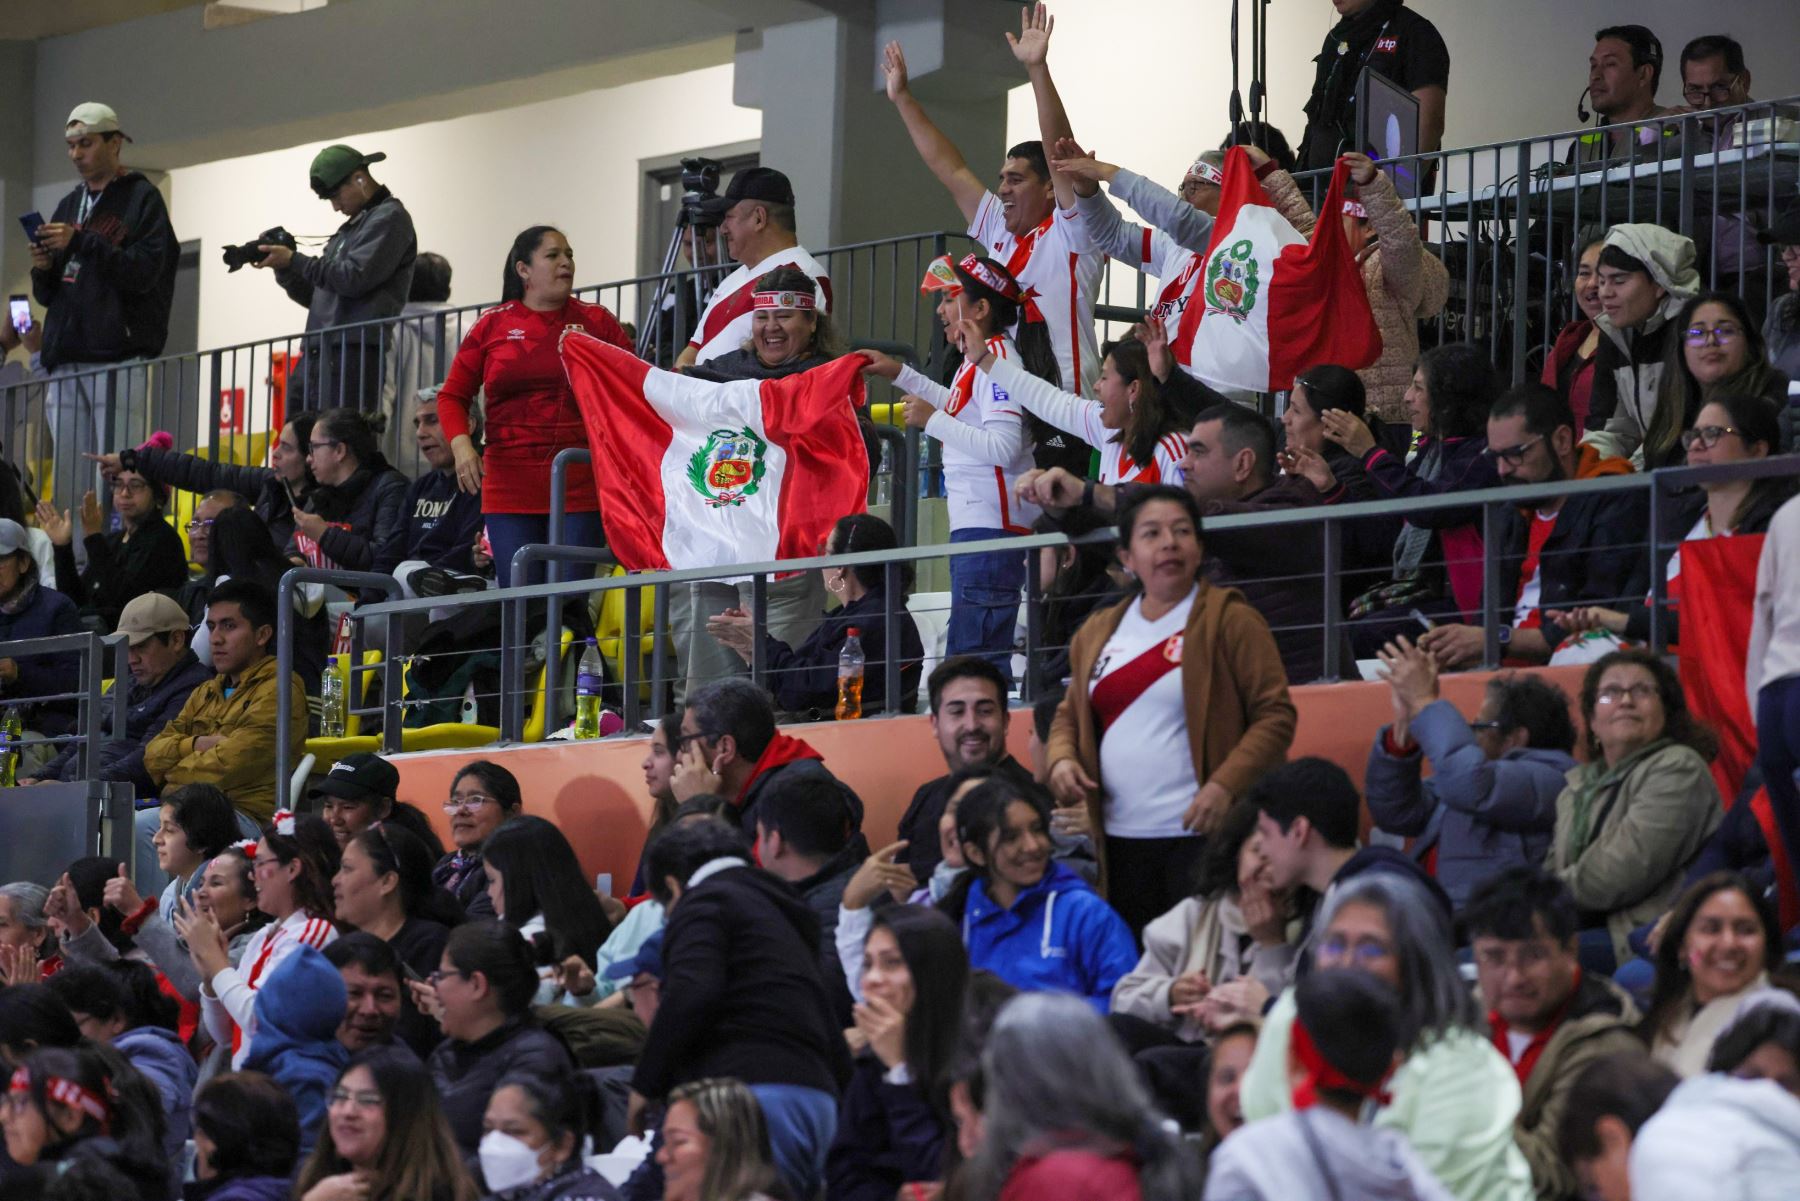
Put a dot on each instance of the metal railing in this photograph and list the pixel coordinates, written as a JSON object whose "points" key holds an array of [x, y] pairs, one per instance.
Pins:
{"points": [[88, 689], [228, 403], [1329, 522]]}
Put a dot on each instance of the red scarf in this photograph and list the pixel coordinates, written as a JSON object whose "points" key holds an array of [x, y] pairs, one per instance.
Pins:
{"points": [[1535, 1048], [1320, 1074]]}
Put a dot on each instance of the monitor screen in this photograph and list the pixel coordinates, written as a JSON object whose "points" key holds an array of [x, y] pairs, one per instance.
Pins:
{"points": [[1387, 128]]}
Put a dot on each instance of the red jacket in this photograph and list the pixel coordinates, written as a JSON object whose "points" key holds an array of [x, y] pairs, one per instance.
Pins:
{"points": [[1579, 386], [530, 409], [1073, 1176]]}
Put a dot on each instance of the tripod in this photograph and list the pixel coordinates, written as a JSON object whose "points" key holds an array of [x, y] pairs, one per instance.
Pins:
{"points": [[692, 290], [1259, 74]]}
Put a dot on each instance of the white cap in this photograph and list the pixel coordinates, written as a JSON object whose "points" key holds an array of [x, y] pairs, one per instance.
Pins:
{"points": [[93, 117]]}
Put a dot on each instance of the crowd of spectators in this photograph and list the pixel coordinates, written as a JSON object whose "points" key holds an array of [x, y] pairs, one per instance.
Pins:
{"points": [[1540, 950]]}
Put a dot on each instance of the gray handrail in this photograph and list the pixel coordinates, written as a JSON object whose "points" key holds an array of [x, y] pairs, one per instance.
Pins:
{"points": [[91, 680], [284, 658], [515, 614]]}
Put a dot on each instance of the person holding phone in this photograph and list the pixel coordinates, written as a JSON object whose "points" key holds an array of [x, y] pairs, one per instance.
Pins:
{"points": [[103, 268]]}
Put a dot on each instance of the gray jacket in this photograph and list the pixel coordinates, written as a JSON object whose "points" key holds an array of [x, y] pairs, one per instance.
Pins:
{"points": [[364, 272], [1118, 238], [1483, 815], [1319, 1154]]}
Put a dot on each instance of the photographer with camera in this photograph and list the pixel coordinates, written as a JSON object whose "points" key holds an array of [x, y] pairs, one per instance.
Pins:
{"points": [[756, 218], [103, 267], [362, 275]]}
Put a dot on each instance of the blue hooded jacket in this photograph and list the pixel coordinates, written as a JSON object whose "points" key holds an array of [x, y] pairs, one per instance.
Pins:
{"points": [[1059, 936], [298, 1011], [158, 1054]]}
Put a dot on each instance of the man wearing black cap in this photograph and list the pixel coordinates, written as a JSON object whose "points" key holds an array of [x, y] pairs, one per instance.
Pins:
{"points": [[363, 274], [357, 792], [756, 217]]}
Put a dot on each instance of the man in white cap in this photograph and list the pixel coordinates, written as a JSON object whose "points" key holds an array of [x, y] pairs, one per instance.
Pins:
{"points": [[364, 273], [163, 672], [103, 267]]}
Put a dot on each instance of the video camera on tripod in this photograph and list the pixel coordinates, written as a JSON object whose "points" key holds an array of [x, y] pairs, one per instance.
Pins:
{"points": [[695, 227], [699, 183]]}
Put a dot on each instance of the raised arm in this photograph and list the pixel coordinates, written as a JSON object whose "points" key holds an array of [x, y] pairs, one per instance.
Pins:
{"points": [[939, 152], [1032, 48]]}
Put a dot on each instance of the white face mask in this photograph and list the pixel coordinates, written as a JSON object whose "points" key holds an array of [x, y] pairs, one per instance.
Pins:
{"points": [[507, 1162]]}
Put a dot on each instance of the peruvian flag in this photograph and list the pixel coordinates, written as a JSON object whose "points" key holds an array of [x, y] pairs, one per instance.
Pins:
{"points": [[1268, 304], [698, 474]]}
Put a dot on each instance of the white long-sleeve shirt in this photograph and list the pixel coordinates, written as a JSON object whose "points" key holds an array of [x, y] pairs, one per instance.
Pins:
{"points": [[1775, 629], [229, 998], [1081, 417], [985, 448]]}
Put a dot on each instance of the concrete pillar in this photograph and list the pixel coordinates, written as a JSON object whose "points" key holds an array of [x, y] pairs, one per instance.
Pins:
{"points": [[18, 71]]}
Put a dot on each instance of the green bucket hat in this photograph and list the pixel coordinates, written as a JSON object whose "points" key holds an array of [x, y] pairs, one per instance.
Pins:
{"points": [[334, 164]]}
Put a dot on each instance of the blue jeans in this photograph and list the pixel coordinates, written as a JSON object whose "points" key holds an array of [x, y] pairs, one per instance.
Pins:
{"points": [[149, 878], [802, 1122], [984, 601], [507, 532], [1778, 751]]}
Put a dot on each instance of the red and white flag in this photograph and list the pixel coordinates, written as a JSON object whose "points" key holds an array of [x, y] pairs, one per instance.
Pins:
{"points": [[1269, 304], [699, 474]]}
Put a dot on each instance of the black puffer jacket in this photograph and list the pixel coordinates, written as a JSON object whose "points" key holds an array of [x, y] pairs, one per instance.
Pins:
{"points": [[265, 491], [466, 1073], [366, 515]]}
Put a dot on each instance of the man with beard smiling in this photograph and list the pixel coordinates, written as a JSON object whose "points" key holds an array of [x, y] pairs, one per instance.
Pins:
{"points": [[1554, 554], [969, 718]]}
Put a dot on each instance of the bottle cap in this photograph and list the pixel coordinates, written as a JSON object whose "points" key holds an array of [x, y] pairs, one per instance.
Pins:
{"points": [[855, 632]]}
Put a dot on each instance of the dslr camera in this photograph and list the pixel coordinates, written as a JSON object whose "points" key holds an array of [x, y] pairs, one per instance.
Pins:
{"points": [[247, 253], [700, 183]]}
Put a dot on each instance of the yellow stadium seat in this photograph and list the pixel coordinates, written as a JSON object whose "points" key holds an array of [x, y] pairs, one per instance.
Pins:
{"points": [[609, 626]]}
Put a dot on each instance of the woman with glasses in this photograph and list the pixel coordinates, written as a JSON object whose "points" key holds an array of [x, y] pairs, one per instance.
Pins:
{"points": [[1638, 810], [1453, 1095], [356, 518], [385, 1138], [481, 995], [293, 863], [482, 796], [1731, 428], [1722, 942], [1717, 351], [143, 555], [383, 887]]}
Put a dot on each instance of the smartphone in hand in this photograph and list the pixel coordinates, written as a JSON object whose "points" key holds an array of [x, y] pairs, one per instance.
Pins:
{"points": [[19, 310], [31, 222]]}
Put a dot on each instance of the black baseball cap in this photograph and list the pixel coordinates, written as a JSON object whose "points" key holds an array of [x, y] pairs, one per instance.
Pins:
{"points": [[1785, 231], [752, 183], [360, 777]]}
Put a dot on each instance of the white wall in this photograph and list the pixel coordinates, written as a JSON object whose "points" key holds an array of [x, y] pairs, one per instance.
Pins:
{"points": [[1147, 82], [471, 183]]}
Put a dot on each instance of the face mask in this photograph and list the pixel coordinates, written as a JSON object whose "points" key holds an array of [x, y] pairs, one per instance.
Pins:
{"points": [[507, 1162]]}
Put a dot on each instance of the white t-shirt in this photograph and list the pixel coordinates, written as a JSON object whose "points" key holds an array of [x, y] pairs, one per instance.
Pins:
{"points": [[1059, 277], [1146, 770], [725, 325], [985, 446], [1069, 412], [1177, 270]]}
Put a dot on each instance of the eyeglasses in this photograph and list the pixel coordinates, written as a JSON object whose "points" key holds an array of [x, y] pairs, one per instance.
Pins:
{"points": [[194, 527], [683, 739], [1612, 694], [362, 1098], [436, 978], [1523, 956], [1336, 949], [317, 444], [130, 486], [467, 804], [1718, 335], [1718, 93], [1513, 454], [1484, 725], [1705, 436]]}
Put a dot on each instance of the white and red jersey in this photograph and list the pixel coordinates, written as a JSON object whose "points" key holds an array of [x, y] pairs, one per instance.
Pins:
{"points": [[986, 448], [1177, 270], [725, 325], [1080, 417], [1146, 769], [228, 1002], [1059, 277]]}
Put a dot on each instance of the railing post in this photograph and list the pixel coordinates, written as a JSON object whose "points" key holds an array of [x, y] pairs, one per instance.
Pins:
{"points": [[1332, 659], [284, 694], [1521, 304], [759, 625], [631, 643], [513, 686], [659, 650], [891, 653], [1034, 626], [1490, 585], [393, 715], [1659, 583]]}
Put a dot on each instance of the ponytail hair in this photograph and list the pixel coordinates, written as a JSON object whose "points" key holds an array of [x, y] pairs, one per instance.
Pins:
{"points": [[523, 247], [1149, 421]]}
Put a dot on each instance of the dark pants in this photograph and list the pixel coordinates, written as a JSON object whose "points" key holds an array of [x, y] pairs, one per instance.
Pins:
{"points": [[1174, 1071], [507, 532], [1147, 877], [984, 601], [342, 372], [1778, 753]]}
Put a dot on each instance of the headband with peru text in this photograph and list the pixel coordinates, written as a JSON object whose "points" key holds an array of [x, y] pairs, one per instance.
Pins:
{"points": [[783, 300], [65, 1092], [1205, 172], [994, 281], [1320, 1074]]}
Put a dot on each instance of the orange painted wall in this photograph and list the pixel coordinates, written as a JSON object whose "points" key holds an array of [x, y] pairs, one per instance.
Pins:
{"points": [[594, 791]]}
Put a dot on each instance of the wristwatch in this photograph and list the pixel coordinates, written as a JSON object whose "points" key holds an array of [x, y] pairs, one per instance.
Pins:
{"points": [[1087, 494]]}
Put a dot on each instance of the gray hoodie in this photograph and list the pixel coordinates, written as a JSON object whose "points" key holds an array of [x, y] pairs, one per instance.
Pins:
{"points": [[363, 273], [1633, 358], [1320, 1155], [1722, 1139]]}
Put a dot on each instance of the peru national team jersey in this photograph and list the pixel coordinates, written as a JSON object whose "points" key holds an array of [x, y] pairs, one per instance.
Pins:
{"points": [[1146, 772], [1059, 278], [986, 449], [725, 325], [1082, 418], [1177, 270]]}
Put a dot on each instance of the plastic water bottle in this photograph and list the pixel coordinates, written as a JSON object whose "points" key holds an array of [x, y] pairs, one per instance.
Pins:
{"points": [[12, 736], [588, 678], [850, 677], [331, 701]]}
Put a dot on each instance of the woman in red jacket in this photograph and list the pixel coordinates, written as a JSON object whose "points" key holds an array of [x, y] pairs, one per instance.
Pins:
{"points": [[530, 410]]}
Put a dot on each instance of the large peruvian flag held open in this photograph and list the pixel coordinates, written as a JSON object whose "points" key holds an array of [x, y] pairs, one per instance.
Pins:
{"points": [[698, 474], [1270, 304]]}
